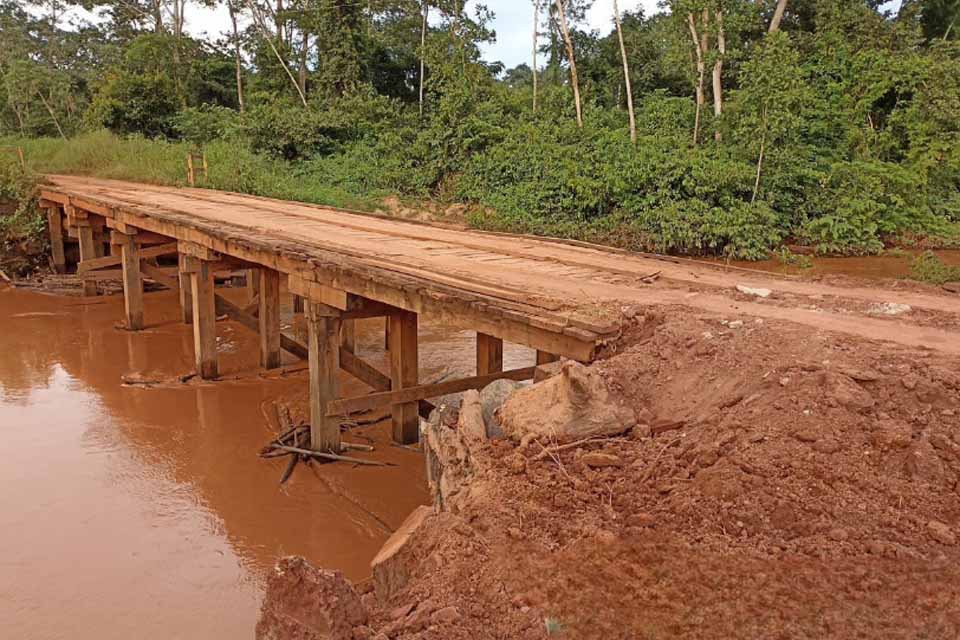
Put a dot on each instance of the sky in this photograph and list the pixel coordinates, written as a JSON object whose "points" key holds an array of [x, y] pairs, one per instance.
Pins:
{"points": [[512, 22]]}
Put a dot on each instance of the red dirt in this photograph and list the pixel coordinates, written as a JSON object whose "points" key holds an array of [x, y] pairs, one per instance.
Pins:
{"points": [[788, 484]]}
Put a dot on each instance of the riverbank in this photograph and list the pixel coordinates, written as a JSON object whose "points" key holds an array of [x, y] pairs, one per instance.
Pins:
{"points": [[776, 481]]}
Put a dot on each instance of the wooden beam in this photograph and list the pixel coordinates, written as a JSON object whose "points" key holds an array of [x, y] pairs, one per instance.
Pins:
{"points": [[370, 401], [546, 358], [404, 371], [269, 318], [132, 282], [311, 290], [55, 226], [113, 261], [196, 250], [489, 354], [158, 275], [88, 252], [348, 335], [323, 344], [297, 303], [186, 290], [253, 283], [204, 319]]}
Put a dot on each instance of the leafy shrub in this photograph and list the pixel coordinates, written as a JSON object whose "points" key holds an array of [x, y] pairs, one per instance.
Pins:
{"points": [[928, 267]]}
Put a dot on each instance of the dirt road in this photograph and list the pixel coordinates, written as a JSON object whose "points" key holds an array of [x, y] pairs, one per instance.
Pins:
{"points": [[588, 282]]}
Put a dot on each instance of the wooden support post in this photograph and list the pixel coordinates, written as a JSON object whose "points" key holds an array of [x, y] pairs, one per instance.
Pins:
{"points": [[297, 303], [87, 252], [186, 291], [269, 317], [132, 282], [323, 347], [386, 334], [546, 358], [348, 335], [204, 318], [489, 354], [404, 373], [55, 224], [253, 284]]}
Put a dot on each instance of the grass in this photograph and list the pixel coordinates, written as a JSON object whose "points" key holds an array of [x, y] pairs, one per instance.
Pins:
{"points": [[928, 267], [232, 167]]}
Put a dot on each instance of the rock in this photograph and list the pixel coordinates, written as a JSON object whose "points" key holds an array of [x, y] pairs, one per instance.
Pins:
{"points": [[369, 601], [570, 406], [952, 287], [363, 632], [806, 435], [941, 533], [923, 463], [447, 452], [597, 460], [447, 615], [307, 603], [470, 422], [394, 563], [826, 446], [402, 611], [641, 520], [889, 309], [838, 534], [753, 291], [492, 398], [735, 324], [546, 370], [892, 434], [845, 392], [641, 431]]}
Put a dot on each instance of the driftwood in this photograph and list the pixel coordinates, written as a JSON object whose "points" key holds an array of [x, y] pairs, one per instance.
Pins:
{"points": [[333, 456]]}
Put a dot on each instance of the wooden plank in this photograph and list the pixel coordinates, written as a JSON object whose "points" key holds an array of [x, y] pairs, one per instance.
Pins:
{"points": [[113, 261], [186, 290], [87, 253], [348, 335], [269, 318], [315, 291], [370, 401], [204, 319], [55, 225], [489, 354], [323, 345], [132, 283], [546, 358], [158, 275], [404, 371], [197, 250], [252, 283], [297, 304]]}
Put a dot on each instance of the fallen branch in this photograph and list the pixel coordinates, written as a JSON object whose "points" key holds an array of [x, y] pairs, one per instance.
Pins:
{"points": [[333, 456]]}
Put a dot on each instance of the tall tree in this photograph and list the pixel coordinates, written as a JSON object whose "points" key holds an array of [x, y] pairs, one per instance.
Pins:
{"points": [[626, 72], [561, 10]]}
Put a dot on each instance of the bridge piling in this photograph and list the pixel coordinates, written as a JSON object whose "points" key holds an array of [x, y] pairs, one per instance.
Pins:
{"points": [[323, 348], [132, 280], [404, 354]]}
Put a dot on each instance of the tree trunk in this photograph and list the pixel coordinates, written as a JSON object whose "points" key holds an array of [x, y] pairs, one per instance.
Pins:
{"points": [[763, 143], [423, 50], [718, 74], [276, 52], [53, 115], [236, 54], [536, 20], [701, 70], [626, 72], [278, 23], [777, 16], [302, 69], [568, 43]]}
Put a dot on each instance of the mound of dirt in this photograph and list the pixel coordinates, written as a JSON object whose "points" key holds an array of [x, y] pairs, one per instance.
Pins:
{"points": [[779, 482]]}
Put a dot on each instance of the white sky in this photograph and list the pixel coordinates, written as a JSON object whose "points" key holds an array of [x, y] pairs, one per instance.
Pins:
{"points": [[512, 22]]}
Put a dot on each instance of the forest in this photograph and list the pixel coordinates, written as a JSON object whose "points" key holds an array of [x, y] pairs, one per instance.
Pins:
{"points": [[714, 127]]}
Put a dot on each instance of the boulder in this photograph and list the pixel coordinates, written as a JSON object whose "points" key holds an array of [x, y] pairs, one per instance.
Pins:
{"points": [[570, 406], [492, 398], [447, 452], [754, 291], [306, 603], [470, 422], [394, 563]]}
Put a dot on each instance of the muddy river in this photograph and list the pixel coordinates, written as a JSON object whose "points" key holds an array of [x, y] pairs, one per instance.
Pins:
{"points": [[144, 511]]}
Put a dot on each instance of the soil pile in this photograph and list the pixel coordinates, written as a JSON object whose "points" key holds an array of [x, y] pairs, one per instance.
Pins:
{"points": [[779, 482]]}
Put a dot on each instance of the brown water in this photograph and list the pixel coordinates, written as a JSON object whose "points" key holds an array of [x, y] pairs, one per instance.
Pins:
{"points": [[887, 265], [130, 512]]}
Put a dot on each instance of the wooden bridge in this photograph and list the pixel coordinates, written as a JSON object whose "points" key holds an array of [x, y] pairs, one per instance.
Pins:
{"points": [[344, 266]]}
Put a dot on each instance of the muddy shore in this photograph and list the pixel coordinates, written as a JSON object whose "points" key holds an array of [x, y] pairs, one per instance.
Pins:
{"points": [[779, 482]]}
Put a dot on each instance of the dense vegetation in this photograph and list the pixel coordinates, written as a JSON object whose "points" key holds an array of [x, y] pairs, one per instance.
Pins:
{"points": [[834, 123]]}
